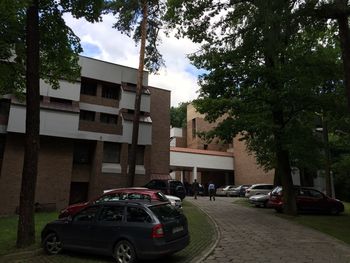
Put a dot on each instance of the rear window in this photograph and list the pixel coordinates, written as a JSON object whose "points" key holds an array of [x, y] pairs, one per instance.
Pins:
{"points": [[165, 212], [175, 183]]}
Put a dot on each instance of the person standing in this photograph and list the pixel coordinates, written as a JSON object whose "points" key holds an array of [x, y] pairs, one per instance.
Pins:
{"points": [[195, 188], [211, 190]]}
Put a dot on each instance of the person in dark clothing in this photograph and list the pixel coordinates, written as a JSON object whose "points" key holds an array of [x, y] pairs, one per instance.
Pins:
{"points": [[195, 188]]}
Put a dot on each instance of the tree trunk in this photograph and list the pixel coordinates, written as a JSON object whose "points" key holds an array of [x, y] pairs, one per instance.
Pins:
{"points": [[26, 226], [283, 166], [135, 130], [344, 35], [327, 158], [277, 178]]}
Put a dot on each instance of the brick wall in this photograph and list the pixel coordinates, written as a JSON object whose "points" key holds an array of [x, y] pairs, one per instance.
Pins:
{"points": [[246, 169], [54, 172], [160, 114]]}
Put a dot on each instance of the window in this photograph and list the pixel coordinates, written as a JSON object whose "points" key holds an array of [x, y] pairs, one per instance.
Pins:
{"points": [[111, 152], [165, 212], [112, 214], [135, 214], [88, 87], [108, 118], [4, 107], [61, 101], [110, 91], [82, 153], [87, 215], [87, 115], [194, 128], [109, 197]]}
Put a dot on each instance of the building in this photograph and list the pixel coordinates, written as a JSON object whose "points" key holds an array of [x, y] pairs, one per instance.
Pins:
{"points": [[85, 135], [211, 160]]}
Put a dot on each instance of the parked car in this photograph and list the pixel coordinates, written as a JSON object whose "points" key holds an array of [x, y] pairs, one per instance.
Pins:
{"points": [[223, 190], [127, 230], [259, 200], [115, 195], [238, 191], [258, 189], [168, 187], [308, 200]]}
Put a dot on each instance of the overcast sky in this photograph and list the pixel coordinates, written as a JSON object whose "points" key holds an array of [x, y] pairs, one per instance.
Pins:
{"points": [[101, 41]]}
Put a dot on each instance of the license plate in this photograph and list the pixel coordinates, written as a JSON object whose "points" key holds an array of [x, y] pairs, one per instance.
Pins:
{"points": [[178, 229]]}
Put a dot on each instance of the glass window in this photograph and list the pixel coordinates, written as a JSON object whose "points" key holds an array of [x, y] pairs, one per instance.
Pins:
{"points": [[88, 87], [112, 214], [110, 91], [109, 197], [61, 101], [108, 118], [87, 215], [136, 214], [82, 153], [315, 194], [194, 128], [165, 212], [87, 115], [111, 152]]}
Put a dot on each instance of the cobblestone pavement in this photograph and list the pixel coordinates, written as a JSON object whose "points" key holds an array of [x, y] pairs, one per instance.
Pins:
{"points": [[253, 235]]}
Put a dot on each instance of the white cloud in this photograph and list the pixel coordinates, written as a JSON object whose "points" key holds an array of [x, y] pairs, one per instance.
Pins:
{"points": [[118, 48]]}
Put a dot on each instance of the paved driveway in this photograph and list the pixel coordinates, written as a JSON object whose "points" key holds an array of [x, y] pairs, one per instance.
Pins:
{"points": [[252, 235]]}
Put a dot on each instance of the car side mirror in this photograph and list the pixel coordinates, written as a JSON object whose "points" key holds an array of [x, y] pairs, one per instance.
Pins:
{"points": [[69, 219]]}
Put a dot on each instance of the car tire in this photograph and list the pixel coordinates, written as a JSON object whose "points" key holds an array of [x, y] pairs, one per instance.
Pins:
{"points": [[279, 210], [124, 252], [334, 211], [52, 244]]}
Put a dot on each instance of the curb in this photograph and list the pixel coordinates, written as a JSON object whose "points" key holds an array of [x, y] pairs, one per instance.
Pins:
{"points": [[202, 256]]}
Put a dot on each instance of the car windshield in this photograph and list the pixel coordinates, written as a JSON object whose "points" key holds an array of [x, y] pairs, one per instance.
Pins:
{"points": [[165, 212]]}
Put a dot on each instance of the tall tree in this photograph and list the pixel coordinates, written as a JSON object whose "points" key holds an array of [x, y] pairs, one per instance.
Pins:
{"points": [[256, 55], [143, 20], [40, 46], [338, 11], [178, 115]]}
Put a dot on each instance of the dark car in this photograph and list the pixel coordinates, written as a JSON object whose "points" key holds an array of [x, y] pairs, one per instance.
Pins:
{"points": [[127, 230], [115, 195], [308, 200], [169, 187]]}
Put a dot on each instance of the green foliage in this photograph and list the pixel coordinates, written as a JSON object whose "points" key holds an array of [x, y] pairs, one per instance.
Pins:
{"points": [[263, 58], [178, 115], [59, 46], [128, 15]]}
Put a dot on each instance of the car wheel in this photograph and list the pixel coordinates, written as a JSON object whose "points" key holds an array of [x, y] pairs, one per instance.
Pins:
{"points": [[52, 244], [279, 210], [124, 252], [334, 211]]}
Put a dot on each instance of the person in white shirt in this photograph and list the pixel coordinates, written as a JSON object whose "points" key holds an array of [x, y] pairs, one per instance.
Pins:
{"points": [[211, 190]]}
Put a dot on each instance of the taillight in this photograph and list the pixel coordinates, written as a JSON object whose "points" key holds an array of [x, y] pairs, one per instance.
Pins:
{"points": [[157, 231]]}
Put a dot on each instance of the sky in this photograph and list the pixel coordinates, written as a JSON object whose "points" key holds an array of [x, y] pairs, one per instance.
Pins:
{"points": [[101, 41]]}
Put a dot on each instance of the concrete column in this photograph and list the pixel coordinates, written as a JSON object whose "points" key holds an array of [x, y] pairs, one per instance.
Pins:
{"points": [[194, 173], [182, 176]]}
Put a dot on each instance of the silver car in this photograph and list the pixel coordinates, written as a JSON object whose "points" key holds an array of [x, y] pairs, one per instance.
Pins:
{"points": [[259, 200], [256, 189], [223, 190]]}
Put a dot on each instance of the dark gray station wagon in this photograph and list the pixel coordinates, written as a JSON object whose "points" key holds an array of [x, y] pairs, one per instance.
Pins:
{"points": [[127, 230]]}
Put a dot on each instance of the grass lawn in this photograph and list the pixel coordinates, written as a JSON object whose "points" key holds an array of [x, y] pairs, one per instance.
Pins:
{"points": [[336, 226], [201, 231]]}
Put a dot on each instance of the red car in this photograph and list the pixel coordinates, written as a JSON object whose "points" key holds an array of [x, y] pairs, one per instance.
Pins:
{"points": [[114, 195], [308, 200]]}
